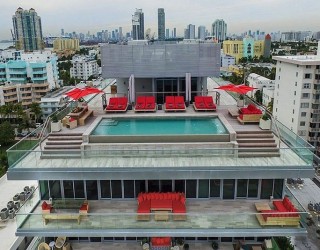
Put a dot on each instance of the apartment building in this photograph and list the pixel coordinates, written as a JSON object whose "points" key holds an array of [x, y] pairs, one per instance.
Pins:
{"points": [[260, 83], [83, 67], [297, 94]]}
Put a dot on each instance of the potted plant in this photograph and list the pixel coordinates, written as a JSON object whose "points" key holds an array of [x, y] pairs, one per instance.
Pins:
{"points": [[180, 242], [265, 122], [55, 124], [215, 245], [240, 101], [186, 246]]}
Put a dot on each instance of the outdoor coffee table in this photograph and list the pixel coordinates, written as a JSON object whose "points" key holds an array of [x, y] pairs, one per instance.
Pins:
{"points": [[161, 215], [262, 206], [234, 112]]}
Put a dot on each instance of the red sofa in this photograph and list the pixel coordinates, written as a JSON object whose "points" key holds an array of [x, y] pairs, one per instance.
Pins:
{"points": [[161, 241], [174, 103], [204, 103], [117, 104], [249, 114], [145, 103], [171, 201], [284, 214]]}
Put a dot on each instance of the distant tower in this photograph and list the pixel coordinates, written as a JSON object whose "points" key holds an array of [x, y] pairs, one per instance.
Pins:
{"points": [[192, 31], [167, 33], [120, 33], [27, 30], [219, 30], [267, 46], [201, 32], [138, 25], [161, 24], [62, 32], [174, 32]]}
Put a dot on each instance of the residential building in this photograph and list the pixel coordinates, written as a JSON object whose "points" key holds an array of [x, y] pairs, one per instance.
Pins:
{"points": [[267, 95], [35, 67], [167, 33], [219, 30], [60, 44], [247, 47], [201, 32], [83, 67], [227, 60], [259, 83], [295, 36], [138, 25], [190, 32], [223, 182], [161, 24], [297, 94], [27, 30], [174, 32]]}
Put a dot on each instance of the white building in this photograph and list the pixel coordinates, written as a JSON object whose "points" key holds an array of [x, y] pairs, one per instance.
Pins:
{"points": [[83, 67], [227, 60], [267, 95], [260, 83], [297, 94]]}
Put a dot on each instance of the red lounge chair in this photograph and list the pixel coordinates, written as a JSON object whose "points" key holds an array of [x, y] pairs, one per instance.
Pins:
{"points": [[208, 100], [199, 103], [122, 104], [150, 103], [113, 103], [169, 105], [179, 102], [141, 103]]}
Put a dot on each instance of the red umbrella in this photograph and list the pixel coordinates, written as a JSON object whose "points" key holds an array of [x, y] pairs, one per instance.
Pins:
{"points": [[78, 93], [241, 89]]}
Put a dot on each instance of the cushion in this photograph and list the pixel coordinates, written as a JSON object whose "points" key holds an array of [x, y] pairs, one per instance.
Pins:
{"points": [[182, 199], [140, 199], [144, 207], [44, 205], [84, 207], [178, 207], [251, 107]]}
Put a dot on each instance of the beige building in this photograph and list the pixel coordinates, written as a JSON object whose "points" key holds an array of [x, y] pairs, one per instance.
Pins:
{"points": [[62, 44]]}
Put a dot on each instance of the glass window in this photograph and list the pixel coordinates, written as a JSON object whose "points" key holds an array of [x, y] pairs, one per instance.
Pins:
{"points": [[305, 95], [191, 188], [203, 191], [266, 188], [306, 85], [166, 185], [215, 188], [68, 189], [92, 190], [304, 105], [228, 189], [105, 189], [242, 188], [278, 189], [128, 187], [116, 189], [179, 186], [44, 190], [307, 76], [140, 186], [302, 123], [79, 189], [55, 189], [153, 186], [303, 114], [253, 188]]}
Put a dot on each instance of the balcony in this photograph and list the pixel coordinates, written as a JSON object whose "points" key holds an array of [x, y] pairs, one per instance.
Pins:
{"points": [[315, 120], [314, 130], [316, 111], [206, 217], [11, 99], [312, 139]]}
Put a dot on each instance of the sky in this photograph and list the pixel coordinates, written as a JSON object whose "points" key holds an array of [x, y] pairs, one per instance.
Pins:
{"points": [[96, 15]]}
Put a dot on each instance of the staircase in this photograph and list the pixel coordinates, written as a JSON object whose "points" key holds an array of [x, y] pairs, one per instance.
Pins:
{"points": [[257, 144], [62, 145]]}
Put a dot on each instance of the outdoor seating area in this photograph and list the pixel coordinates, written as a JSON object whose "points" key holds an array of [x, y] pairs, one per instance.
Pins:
{"points": [[161, 204], [64, 210], [117, 104], [250, 114], [160, 243], [204, 103], [174, 103], [283, 214], [145, 104]]}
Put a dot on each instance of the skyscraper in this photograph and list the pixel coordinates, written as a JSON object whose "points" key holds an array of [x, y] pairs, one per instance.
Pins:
{"points": [[27, 30], [219, 30], [138, 25], [161, 24], [62, 32], [190, 32], [167, 33], [201, 32], [174, 32]]}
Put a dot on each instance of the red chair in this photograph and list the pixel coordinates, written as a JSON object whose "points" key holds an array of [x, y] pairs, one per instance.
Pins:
{"points": [[141, 103], [113, 103], [169, 105], [179, 102], [208, 100], [122, 104], [199, 103], [150, 103]]}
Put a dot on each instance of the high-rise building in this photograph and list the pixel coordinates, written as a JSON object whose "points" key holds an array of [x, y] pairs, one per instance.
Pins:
{"points": [[219, 30], [62, 32], [190, 32], [201, 32], [27, 30], [174, 32], [120, 33], [167, 33], [138, 25], [161, 24]]}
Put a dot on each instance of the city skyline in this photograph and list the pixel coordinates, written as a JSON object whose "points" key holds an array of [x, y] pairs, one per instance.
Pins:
{"points": [[240, 16]]}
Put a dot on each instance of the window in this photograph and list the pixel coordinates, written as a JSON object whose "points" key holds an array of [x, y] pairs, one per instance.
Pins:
{"points": [[214, 188], [279, 69], [318, 67], [302, 123], [305, 96], [306, 86], [278, 85], [304, 105], [279, 77], [293, 111], [295, 92], [297, 73], [292, 120], [308, 66], [295, 84], [303, 114], [307, 76]]}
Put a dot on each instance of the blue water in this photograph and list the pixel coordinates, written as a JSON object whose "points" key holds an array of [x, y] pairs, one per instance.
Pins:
{"points": [[160, 126]]}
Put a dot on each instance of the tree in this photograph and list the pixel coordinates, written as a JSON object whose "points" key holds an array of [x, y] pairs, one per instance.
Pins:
{"points": [[36, 110], [6, 133], [258, 96], [284, 243], [270, 106]]}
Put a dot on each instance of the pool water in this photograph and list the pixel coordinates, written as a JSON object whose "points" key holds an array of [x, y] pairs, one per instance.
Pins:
{"points": [[160, 126]]}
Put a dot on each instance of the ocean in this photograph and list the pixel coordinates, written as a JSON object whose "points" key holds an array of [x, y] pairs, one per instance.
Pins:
{"points": [[5, 45]]}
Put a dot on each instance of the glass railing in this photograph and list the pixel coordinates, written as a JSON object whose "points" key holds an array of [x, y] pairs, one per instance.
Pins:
{"points": [[156, 220], [104, 157]]}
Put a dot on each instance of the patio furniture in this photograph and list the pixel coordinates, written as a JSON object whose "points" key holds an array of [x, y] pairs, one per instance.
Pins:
{"points": [[43, 246], [250, 114], [145, 103], [204, 103], [78, 112], [60, 242], [82, 120], [234, 112], [161, 215], [141, 103], [71, 123], [262, 206], [151, 104], [117, 104], [208, 100], [174, 103]]}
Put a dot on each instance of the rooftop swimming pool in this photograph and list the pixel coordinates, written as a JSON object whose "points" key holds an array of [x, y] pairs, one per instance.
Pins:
{"points": [[159, 129], [160, 126]]}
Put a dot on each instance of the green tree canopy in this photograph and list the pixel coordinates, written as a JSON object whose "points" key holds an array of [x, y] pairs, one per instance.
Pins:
{"points": [[6, 133], [36, 110]]}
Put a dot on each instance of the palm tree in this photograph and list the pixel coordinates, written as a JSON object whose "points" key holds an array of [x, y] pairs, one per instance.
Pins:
{"points": [[36, 110]]}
